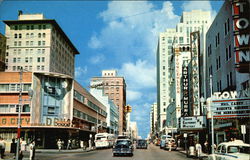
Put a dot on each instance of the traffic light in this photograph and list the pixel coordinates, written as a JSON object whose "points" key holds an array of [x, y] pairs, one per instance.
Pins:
{"points": [[129, 109]]}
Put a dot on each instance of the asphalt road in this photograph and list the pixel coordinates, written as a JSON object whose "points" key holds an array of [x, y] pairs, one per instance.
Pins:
{"points": [[152, 153]]}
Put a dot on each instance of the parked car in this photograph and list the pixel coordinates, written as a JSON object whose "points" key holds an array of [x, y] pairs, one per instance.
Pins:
{"points": [[234, 150], [142, 144], [163, 141], [123, 147], [170, 142]]}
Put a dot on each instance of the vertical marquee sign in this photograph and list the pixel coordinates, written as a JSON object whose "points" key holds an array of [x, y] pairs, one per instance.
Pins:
{"points": [[185, 90], [241, 28], [195, 80]]}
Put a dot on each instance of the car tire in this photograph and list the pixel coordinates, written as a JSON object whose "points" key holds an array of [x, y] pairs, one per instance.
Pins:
{"points": [[114, 154]]}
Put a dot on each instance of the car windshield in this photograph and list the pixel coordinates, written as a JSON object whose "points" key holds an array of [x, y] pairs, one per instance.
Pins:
{"points": [[141, 141], [100, 138], [123, 142], [163, 137], [239, 149]]}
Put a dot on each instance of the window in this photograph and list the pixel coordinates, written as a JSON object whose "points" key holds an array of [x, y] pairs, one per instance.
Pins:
{"points": [[39, 43], [43, 43], [15, 43], [43, 59], [19, 43], [38, 59], [51, 110], [181, 40], [14, 51], [38, 68], [26, 59], [19, 59], [39, 26], [31, 51], [19, 51], [27, 27], [16, 27], [44, 26], [31, 43], [42, 68], [20, 35], [15, 35], [13, 68], [229, 52], [31, 35], [39, 35], [32, 27], [43, 51], [27, 43], [14, 60], [38, 51], [26, 51], [30, 59], [44, 35]]}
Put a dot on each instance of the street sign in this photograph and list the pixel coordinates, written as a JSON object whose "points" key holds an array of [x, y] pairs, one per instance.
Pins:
{"points": [[243, 129]]}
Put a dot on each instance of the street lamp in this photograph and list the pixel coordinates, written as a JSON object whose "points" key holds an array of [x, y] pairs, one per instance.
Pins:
{"points": [[212, 117], [30, 93]]}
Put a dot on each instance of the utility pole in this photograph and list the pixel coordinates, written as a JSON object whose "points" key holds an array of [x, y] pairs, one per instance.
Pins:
{"points": [[212, 116], [19, 114]]}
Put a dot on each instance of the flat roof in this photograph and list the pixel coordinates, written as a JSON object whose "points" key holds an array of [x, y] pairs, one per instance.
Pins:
{"points": [[51, 21]]}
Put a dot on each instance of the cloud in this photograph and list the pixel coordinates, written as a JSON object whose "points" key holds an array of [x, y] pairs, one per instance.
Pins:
{"points": [[132, 28], [94, 42], [97, 59], [139, 75], [133, 95], [79, 71]]}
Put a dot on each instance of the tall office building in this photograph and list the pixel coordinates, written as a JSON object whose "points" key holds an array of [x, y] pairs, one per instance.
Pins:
{"points": [[39, 45], [195, 20], [115, 89]]}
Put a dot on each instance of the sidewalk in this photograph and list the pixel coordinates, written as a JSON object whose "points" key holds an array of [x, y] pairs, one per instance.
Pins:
{"points": [[181, 150], [9, 156]]}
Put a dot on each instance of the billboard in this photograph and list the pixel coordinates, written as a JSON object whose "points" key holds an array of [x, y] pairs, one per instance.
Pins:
{"points": [[193, 123]]}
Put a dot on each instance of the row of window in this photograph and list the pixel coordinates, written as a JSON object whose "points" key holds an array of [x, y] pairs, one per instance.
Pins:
{"points": [[29, 27], [190, 22], [227, 26], [14, 87], [13, 108], [30, 35], [27, 51], [26, 59], [29, 43]]}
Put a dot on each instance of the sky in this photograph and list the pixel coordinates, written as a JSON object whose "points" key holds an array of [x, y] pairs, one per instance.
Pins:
{"points": [[119, 35]]}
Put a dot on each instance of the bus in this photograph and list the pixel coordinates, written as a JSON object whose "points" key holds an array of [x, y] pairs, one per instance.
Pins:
{"points": [[104, 140]]}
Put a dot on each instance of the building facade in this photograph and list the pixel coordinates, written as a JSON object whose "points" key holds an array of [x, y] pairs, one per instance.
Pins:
{"points": [[115, 89], [228, 42], [111, 108], [38, 44], [58, 108], [192, 21]]}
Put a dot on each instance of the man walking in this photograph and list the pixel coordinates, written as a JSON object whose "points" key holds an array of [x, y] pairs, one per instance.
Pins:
{"points": [[2, 147], [32, 150]]}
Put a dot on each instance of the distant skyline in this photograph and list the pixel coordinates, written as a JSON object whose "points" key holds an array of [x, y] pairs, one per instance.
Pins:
{"points": [[119, 35]]}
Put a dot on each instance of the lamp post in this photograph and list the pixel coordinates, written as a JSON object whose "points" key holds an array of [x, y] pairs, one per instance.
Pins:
{"points": [[212, 117], [20, 106]]}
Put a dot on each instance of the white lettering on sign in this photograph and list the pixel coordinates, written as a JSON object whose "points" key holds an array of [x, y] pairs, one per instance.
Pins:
{"points": [[230, 95], [240, 11]]}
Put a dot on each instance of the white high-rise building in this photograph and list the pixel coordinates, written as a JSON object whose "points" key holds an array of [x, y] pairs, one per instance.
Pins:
{"points": [[195, 20], [39, 45]]}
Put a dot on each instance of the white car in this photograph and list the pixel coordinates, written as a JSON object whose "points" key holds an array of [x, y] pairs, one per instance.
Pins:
{"points": [[234, 150]]}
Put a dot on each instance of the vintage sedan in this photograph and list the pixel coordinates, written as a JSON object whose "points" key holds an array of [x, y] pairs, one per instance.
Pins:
{"points": [[123, 147], [141, 144], [234, 150]]}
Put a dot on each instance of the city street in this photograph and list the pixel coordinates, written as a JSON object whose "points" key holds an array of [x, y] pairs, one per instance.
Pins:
{"points": [[152, 153]]}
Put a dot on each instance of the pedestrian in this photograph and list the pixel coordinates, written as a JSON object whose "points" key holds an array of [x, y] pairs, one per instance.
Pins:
{"points": [[198, 149], [206, 146], [2, 147], [69, 144], [32, 150], [170, 145], [23, 145], [20, 155], [13, 147], [59, 144]]}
